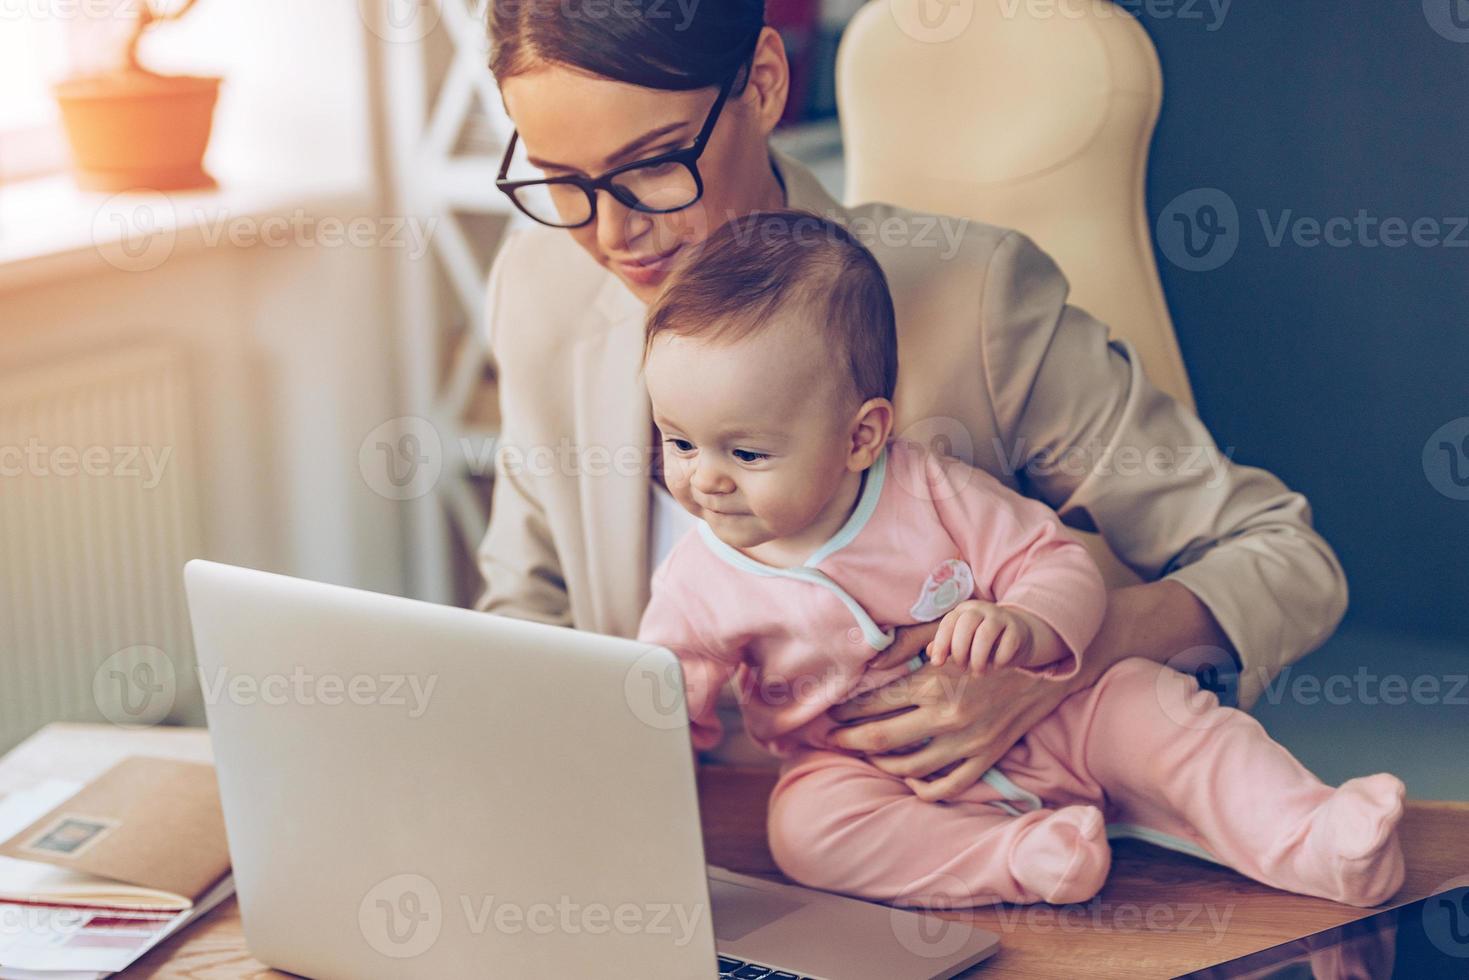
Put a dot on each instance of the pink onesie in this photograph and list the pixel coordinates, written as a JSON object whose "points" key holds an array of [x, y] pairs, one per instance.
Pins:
{"points": [[1141, 753]]}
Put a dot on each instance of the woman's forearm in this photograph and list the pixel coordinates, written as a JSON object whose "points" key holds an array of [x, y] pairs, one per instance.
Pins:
{"points": [[1155, 621]]}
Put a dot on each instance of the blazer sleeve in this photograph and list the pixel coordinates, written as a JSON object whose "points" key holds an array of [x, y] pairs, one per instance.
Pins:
{"points": [[1021, 556], [1087, 432], [517, 556], [667, 623]]}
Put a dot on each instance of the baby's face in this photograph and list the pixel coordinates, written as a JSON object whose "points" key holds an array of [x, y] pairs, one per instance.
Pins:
{"points": [[756, 434]]}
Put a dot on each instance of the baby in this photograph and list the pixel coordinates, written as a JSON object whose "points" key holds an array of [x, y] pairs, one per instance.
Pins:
{"points": [[770, 361]]}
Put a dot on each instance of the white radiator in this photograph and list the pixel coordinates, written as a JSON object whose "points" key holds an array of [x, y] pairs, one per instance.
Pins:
{"points": [[98, 513]]}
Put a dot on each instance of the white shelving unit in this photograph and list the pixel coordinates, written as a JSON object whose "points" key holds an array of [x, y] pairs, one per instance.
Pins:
{"points": [[446, 132]]}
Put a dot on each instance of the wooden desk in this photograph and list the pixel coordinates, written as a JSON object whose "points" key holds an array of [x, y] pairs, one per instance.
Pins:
{"points": [[1160, 914]]}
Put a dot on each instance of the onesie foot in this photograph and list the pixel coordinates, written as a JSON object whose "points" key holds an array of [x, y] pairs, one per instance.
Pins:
{"points": [[1354, 835], [1064, 857]]}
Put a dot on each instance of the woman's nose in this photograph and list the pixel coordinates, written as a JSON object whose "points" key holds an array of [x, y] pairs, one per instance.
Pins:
{"points": [[617, 224]]}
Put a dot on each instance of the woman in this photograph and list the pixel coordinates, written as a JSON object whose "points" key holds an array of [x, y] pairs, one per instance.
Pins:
{"points": [[643, 127]]}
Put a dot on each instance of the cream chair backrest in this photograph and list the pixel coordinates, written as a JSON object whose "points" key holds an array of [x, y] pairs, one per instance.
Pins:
{"points": [[1028, 114]]}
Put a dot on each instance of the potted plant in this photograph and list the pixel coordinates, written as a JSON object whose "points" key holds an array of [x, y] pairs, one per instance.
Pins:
{"points": [[130, 128]]}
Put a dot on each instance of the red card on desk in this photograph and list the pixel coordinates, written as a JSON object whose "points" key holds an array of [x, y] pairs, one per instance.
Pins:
{"points": [[150, 822]]}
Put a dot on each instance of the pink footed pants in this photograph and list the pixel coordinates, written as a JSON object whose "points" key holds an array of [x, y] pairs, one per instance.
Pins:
{"points": [[1142, 753]]}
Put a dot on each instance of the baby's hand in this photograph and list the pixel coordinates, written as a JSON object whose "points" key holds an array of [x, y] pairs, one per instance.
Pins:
{"points": [[981, 635]]}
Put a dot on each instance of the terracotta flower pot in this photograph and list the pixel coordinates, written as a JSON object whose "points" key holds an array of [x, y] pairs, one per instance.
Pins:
{"points": [[134, 129]]}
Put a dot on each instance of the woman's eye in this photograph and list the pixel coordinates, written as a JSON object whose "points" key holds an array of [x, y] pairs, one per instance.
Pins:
{"points": [[749, 456]]}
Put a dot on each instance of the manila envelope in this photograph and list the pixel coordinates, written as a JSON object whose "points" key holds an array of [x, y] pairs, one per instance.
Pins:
{"points": [[150, 822]]}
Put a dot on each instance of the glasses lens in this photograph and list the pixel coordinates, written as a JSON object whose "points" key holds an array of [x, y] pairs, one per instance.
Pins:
{"points": [[563, 205], [662, 187]]}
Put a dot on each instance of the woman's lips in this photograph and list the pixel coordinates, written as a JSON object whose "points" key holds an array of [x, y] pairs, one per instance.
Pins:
{"points": [[650, 270]]}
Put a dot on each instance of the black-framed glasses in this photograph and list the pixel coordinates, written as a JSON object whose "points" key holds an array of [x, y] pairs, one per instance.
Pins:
{"points": [[656, 185]]}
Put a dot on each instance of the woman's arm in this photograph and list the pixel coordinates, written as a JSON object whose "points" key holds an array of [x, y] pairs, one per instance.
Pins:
{"points": [[1090, 435], [516, 557]]}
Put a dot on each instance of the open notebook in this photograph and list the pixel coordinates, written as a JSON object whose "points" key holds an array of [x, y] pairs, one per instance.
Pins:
{"points": [[91, 877]]}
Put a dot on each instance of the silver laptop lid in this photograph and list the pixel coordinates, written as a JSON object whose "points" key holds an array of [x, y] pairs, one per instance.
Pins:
{"points": [[412, 790]]}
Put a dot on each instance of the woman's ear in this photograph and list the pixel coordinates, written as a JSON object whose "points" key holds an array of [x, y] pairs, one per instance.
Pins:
{"points": [[870, 430], [770, 80]]}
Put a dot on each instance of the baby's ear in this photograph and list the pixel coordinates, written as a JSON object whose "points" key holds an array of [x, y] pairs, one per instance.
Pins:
{"points": [[871, 427]]}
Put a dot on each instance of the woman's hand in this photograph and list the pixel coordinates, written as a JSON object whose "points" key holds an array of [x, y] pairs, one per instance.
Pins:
{"points": [[969, 723]]}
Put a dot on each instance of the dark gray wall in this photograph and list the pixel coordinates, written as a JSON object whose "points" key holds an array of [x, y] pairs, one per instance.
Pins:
{"points": [[1331, 366]]}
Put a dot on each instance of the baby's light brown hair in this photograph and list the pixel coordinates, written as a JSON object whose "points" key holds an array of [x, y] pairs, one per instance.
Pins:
{"points": [[729, 287]]}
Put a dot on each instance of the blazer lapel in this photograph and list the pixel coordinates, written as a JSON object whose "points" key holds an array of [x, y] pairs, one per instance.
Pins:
{"points": [[613, 424]]}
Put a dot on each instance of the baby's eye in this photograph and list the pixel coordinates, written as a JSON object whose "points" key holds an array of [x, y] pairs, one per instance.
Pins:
{"points": [[681, 445], [749, 456]]}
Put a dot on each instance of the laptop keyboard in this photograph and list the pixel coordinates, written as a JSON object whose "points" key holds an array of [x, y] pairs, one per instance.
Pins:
{"points": [[741, 970]]}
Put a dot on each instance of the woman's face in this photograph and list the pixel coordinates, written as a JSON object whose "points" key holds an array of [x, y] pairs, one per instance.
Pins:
{"points": [[574, 123]]}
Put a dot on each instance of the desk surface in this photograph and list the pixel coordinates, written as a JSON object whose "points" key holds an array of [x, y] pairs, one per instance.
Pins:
{"points": [[1160, 914]]}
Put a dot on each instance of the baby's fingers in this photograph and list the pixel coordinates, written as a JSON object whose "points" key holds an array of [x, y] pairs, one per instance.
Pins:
{"points": [[983, 644], [938, 647], [1008, 648], [964, 628]]}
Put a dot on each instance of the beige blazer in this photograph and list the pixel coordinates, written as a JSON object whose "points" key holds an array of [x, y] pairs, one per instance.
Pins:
{"points": [[995, 368]]}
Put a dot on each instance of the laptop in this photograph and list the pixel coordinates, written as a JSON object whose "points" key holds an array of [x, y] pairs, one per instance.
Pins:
{"points": [[413, 790]]}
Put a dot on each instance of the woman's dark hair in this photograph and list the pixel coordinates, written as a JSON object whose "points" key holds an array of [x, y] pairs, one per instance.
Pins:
{"points": [[677, 45]]}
